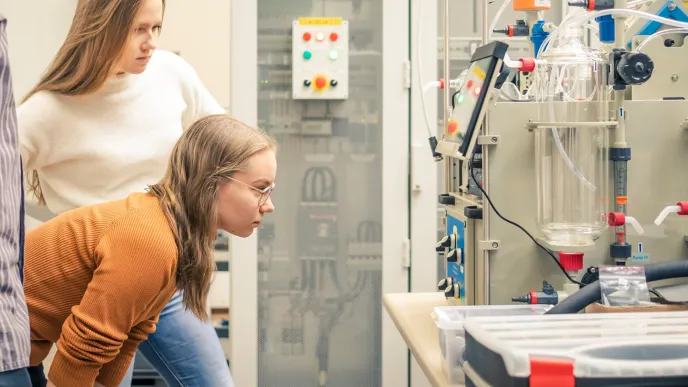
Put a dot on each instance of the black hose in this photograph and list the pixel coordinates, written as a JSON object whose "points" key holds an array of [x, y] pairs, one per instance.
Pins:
{"points": [[591, 293]]}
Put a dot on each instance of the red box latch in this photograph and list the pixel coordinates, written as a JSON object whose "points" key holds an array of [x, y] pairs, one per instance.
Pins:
{"points": [[551, 373]]}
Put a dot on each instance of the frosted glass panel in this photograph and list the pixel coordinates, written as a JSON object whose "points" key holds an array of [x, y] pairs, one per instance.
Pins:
{"points": [[319, 257]]}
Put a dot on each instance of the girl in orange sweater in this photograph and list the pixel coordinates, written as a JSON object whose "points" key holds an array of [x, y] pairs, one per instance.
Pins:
{"points": [[97, 278]]}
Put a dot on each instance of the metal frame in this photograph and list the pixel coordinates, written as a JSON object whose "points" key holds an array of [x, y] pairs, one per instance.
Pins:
{"points": [[394, 200], [424, 179], [244, 252], [395, 183]]}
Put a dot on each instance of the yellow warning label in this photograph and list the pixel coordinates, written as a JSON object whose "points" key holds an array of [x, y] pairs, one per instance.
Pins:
{"points": [[479, 73], [320, 21]]}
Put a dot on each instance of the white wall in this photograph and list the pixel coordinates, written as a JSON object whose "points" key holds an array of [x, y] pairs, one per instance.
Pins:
{"points": [[198, 29], [35, 33]]}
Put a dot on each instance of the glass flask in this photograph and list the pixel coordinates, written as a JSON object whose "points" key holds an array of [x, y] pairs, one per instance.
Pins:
{"points": [[572, 142]]}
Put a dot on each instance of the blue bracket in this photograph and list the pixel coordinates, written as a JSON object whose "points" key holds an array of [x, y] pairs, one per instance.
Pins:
{"points": [[455, 269], [538, 35], [606, 24], [653, 26]]}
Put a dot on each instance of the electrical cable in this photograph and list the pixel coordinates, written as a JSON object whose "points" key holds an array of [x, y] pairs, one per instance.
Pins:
{"points": [[367, 231], [328, 185], [487, 197], [654, 292], [592, 292]]}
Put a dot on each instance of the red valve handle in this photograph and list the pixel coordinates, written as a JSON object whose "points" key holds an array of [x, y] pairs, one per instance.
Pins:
{"points": [[616, 219], [684, 208]]}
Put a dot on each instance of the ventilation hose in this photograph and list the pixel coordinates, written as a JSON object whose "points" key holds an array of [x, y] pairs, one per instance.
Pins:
{"points": [[592, 293]]}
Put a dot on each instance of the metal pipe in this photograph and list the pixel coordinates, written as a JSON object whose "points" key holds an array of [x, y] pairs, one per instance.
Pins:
{"points": [[486, 22], [619, 96], [620, 166], [448, 172]]}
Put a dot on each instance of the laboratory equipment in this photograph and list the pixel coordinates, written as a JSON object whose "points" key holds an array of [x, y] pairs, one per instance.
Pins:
{"points": [[567, 183], [641, 349], [320, 58], [571, 142], [681, 208], [469, 102]]}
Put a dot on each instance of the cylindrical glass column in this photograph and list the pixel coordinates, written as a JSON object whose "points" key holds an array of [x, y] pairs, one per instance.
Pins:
{"points": [[572, 142]]}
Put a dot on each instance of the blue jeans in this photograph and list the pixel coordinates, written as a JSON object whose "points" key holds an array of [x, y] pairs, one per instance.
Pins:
{"points": [[184, 350], [15, 378]]}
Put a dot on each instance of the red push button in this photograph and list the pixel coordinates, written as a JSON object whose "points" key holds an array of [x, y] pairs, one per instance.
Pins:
{"points": [[452, 128], [334, 36], [320, 83], [307, 36], [469, 84]]}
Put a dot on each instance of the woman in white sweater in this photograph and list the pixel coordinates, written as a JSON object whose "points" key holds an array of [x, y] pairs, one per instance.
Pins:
{"points": [[99, 125]]}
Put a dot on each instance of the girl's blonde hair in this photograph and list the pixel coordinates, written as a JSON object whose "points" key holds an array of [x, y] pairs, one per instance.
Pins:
{"points": [[207, 154], [93, 47]]}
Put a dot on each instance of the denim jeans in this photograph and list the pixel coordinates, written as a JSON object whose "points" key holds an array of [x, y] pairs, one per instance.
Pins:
{"points": [[184, 350], [15, 378]]}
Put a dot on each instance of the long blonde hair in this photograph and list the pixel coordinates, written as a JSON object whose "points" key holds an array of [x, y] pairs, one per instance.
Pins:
{"points": [[214, 148], [93, 47]]}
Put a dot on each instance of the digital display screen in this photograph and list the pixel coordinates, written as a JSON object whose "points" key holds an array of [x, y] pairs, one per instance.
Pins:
{"points": [[467, 102]]}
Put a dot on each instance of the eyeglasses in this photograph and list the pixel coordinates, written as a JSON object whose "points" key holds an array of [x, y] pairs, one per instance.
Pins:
{"points": [[264, 193]]}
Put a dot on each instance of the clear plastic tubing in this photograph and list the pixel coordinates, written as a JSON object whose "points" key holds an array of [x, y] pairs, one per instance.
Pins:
{"points": [[585, 17], [661, 33], [496, 18]]}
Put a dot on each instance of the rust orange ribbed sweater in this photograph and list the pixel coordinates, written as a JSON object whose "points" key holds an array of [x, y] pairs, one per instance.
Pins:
{"points": [[96, 280]]}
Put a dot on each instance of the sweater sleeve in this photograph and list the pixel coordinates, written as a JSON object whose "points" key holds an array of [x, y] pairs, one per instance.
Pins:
{"points": [[132, 282], [199, 101], [35, 119], [113, 372]]}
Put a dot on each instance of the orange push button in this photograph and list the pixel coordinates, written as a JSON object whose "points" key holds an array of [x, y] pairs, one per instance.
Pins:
{"points": [[452, 128], [320, 83]]}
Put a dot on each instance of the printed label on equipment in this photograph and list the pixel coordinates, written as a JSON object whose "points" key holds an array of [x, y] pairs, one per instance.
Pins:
{"points": [[543, 3], [320, 21], [640, 257], [479, 73]]}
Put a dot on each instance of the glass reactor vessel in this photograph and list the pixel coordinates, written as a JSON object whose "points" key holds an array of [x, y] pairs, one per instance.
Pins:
{"points": [[572, 142]]}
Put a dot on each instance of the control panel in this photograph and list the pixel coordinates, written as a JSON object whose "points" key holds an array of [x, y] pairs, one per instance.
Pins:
{"points": [[320, 58]]}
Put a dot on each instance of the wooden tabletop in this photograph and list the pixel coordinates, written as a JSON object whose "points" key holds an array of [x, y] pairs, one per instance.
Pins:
{"points": [[411, 313]]}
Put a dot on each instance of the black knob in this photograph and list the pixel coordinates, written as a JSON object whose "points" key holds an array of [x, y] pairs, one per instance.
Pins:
{"points": [[444, 284], [452, 256], [307, 83], [444, 242], [453, 291], [333, 83], [635, 68], [449, 292]]}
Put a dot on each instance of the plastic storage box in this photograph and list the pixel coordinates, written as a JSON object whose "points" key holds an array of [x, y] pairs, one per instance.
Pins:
{"points": [[450, 320], [580, 350]]}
